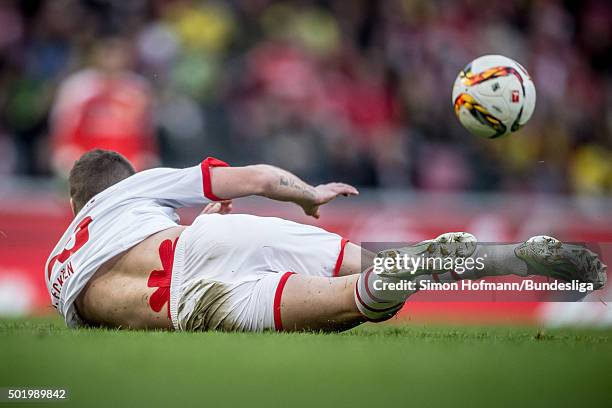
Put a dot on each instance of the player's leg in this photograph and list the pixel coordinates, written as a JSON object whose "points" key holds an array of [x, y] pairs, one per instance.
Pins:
{"points": [[317, 303], [339, 303], [378, 295], [544, 256], [332, 304], [540, 255], [355, 259]]}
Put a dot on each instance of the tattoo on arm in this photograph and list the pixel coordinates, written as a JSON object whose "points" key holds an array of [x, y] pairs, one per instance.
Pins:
{"points": [[298, 185]]}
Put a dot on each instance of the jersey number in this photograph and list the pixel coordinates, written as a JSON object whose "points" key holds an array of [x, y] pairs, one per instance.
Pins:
{"points": [[81, 236]]}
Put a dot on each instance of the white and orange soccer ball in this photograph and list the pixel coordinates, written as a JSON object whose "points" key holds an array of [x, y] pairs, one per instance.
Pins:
{"points": [[493, 96]]}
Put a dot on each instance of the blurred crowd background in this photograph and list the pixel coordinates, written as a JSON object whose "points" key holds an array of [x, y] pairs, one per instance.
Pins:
{"points": [[350, 90]]}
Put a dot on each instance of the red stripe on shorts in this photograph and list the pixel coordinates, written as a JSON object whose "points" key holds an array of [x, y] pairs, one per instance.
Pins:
{"points": [[278, 323], [336, 272]]}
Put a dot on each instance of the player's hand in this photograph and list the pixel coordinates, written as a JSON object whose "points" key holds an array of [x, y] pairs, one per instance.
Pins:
{"points": [[219, 207], [324, 193]]}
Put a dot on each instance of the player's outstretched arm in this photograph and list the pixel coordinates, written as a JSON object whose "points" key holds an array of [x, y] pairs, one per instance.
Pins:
{"points": [[277, 184]]}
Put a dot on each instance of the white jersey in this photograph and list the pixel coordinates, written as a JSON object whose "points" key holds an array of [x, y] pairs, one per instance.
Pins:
{"points": [[117, 219]]}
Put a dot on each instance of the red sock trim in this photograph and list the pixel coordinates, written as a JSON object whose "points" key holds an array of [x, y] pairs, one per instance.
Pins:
{"points": [[336, 272], [382, 318], [278, 323]]}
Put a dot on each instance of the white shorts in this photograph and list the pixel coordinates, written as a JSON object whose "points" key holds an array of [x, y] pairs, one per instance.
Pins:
{"points": [[229, 270]]}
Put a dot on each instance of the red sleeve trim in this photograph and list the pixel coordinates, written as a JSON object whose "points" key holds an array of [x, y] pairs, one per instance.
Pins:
{"points": [[206, 183], [278, 323], [336, 272]]}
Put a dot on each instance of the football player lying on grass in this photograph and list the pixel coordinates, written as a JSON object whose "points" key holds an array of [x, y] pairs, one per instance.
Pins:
{"points": [[125, 261]]}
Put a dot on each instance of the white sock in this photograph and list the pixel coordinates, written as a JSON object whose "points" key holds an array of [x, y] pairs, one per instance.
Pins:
{"points": [[375, 303]]}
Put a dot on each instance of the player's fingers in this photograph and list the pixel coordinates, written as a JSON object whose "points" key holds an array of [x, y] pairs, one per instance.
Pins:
{"points": [[215, 208], [226, 207], [205, 209], [211, 208], [344, 189]]}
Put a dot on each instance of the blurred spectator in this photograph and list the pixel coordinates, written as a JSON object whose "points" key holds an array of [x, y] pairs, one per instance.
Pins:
{"points": [[332, 89], [105, 106]]}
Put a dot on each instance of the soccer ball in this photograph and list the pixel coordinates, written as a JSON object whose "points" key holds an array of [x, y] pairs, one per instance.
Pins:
{"points": [[493, 96]]}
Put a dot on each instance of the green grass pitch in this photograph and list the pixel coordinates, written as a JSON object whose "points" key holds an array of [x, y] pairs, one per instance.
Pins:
{"points": [[373, 366]]}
